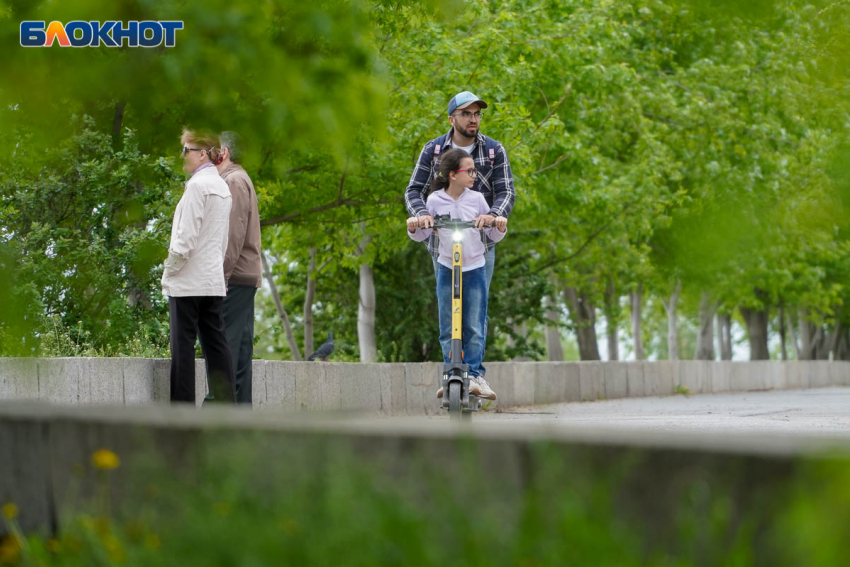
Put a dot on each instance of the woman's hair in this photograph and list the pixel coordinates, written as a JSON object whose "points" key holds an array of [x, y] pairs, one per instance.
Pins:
{"points": [[449, 162], [202, 140]]}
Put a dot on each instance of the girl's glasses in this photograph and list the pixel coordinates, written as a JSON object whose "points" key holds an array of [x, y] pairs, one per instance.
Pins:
{"points": [[471, 171], [185, 149]]}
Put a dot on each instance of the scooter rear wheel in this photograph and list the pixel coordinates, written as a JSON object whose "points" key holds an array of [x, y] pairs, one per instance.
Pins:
{"points": [[455, 409]]}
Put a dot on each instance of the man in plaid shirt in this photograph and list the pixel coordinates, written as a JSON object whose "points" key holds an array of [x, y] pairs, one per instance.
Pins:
{"points": [[494, 178]]}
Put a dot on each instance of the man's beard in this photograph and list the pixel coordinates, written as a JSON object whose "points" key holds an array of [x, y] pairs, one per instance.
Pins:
{"points": [[466, 132]]}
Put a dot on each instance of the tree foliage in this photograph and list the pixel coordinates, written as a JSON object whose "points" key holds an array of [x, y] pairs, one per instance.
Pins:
{"points": [[652, 142]]}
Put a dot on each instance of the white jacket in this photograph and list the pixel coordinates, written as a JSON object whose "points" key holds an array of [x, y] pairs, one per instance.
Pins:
{"points": [[195, 263]]}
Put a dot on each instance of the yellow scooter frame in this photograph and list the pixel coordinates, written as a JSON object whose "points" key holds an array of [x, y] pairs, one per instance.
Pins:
{"points": [[455, 376]]}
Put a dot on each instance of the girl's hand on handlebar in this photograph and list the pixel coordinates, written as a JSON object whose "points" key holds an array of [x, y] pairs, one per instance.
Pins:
{"points": [[501, 224], [412, 224]]}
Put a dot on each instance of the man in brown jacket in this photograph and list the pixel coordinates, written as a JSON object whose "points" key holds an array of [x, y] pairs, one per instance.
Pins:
{"points": [[242, 262]]}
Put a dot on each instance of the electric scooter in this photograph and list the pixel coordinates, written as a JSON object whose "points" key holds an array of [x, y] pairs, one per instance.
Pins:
{"points": [[455, 376]]}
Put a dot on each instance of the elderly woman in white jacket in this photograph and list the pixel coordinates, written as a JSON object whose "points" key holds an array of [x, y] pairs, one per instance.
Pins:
{"points": [[193, 279]]}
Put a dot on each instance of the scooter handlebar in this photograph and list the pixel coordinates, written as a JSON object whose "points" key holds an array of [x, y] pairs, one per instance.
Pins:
{"points": [[445, 221]]}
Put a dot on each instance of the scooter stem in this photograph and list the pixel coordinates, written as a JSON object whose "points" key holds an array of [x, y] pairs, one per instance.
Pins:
{"points": [[457, 301]]}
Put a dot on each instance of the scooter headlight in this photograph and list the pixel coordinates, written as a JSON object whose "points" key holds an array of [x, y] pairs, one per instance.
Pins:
{"points": [[457, 236]]}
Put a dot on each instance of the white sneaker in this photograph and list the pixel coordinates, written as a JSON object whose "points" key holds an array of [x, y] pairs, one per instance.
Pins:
{"points": [[474, 389], [484, 389]]}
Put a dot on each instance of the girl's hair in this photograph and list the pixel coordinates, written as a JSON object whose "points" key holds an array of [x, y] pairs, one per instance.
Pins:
{"points": [[202, 140], [449, 162]]}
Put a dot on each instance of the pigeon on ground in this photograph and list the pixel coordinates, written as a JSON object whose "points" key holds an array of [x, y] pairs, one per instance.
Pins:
{"points": [[324, 351]]}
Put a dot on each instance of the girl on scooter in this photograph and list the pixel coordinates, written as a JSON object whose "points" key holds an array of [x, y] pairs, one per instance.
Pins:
{"points": [[451, 193]]}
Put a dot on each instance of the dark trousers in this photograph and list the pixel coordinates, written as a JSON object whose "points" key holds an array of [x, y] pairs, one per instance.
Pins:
{"points": [[238, 313], [191, 317]]}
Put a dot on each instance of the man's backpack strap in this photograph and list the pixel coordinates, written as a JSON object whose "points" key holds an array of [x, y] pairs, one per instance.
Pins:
{"points": [[438, 145], [491, 146]]}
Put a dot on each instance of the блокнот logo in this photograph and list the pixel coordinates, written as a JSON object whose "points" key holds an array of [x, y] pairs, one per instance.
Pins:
{"points": [[80, 33]]}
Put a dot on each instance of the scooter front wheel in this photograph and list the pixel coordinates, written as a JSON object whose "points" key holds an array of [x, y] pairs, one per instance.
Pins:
{"points": [[455, 409]]}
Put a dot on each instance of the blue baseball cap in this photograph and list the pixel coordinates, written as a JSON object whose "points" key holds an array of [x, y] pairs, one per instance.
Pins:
{"points": [[464, 99]]}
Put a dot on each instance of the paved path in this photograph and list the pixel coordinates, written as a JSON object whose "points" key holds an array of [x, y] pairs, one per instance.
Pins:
{"points": [[816, 412]]}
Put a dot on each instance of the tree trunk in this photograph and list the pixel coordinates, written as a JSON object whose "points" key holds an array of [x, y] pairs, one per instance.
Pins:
{"points": [[794, 340], [612, 309], [724, 335], [833, 341], [636, 298], [819, 344], [366, 315], [308, 303], [807, 331], [782, 332], [705, 339], [287, 327], [844, 346], [366, 308], [554, 349], [672, 327], [756, 332], [613, 340], [584, 320]]}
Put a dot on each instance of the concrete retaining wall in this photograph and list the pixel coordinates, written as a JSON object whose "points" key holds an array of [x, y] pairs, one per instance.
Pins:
{"points": [[46, 450], [405, 389]]}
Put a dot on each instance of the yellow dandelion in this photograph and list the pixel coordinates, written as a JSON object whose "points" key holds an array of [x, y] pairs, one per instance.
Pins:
{"points": [[105, 460], [10, 511]]}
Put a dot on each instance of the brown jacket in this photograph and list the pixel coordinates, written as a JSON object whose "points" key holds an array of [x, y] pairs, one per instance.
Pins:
{"points": [[242, 261]]}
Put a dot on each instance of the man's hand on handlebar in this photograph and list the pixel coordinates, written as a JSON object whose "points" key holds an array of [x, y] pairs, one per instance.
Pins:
{"points": [[425, 221], [484, 221]]}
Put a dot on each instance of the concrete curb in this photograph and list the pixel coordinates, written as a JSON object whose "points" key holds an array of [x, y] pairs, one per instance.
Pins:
{"points": [[406, 388]]}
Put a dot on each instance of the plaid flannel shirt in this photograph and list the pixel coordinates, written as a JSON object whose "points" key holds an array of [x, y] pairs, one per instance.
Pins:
{"points": [[494, 182]]}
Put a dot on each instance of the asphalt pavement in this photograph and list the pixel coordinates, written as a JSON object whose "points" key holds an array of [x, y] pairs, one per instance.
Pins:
{"points": [[818, 412]]}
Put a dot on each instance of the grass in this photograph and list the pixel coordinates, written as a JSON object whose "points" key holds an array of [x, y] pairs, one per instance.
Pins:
{"points": [[326, 506]]}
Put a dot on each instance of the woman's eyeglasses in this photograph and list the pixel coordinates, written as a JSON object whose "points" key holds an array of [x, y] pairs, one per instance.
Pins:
{"points": [[185, 149], [471, 171]]}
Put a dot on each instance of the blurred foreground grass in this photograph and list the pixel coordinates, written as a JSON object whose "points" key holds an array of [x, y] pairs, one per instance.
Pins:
{"points": [[331, 506]]}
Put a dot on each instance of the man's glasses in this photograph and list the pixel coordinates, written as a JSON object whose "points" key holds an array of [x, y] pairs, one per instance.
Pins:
{"points": [[467, 115], [471, 171], [185, 149]]}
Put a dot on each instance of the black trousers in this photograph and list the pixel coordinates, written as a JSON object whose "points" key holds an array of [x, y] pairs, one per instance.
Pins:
{"points": [[191, 317], [238, 311]]}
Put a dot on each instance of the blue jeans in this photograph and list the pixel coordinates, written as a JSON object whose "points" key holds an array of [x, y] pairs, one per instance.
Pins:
{"points": [[489, 263], [474, 330]]}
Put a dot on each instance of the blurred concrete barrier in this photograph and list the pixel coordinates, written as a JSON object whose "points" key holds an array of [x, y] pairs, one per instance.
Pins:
{"points": [[47, 465], [406, 388]]}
